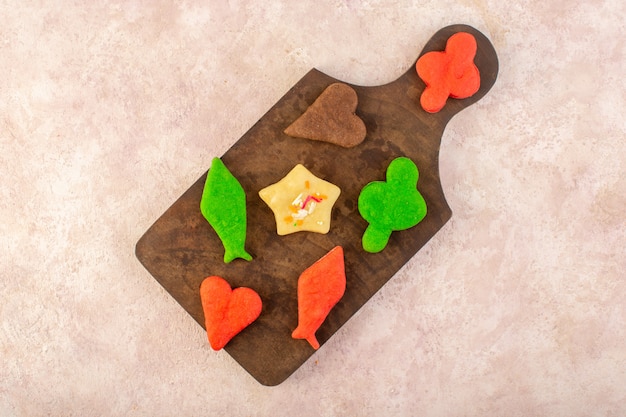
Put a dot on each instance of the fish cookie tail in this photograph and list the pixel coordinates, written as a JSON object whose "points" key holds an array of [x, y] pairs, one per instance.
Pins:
{"points": [[231, 255], [301, 334]]}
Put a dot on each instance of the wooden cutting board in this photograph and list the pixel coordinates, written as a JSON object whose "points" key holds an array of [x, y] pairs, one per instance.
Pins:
{"points": [[180, 249]]}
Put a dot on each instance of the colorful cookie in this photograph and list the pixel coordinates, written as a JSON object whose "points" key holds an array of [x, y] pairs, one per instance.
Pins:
{"points": [[223, 205], [226, 311], [301, 202], [331, 118], [320, 287], [391, 205], [449, 73]]}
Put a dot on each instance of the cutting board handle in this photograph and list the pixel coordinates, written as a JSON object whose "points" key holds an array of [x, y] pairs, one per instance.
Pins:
{"points": [[486, 60]]}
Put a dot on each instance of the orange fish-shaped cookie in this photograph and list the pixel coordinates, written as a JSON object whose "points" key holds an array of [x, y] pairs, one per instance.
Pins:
{"points": [[320, 287]]}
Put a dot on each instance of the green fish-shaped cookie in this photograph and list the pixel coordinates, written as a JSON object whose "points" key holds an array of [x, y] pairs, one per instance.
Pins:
{"points": [[223, 205]]}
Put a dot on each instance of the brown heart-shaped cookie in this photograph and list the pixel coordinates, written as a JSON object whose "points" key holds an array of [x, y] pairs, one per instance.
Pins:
{"points": [[331, 118]]}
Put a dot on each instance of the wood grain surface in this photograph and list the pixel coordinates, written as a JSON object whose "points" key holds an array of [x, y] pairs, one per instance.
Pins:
{"points": [[180, 249]]}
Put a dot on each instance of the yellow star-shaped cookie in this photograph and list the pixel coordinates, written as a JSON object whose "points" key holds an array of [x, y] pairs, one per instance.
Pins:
{"points": [[301, 202]]}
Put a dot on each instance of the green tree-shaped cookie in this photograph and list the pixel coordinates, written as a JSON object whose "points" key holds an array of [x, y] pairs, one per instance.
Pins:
{"points": [[391, 205]]}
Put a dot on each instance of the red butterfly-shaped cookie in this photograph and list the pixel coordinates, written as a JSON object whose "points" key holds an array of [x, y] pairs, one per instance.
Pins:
{"points": [[449, 73]]}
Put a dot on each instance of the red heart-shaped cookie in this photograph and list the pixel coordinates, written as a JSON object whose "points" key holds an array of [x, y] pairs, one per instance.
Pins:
{"points": [[331, 118], [226, 311]]}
